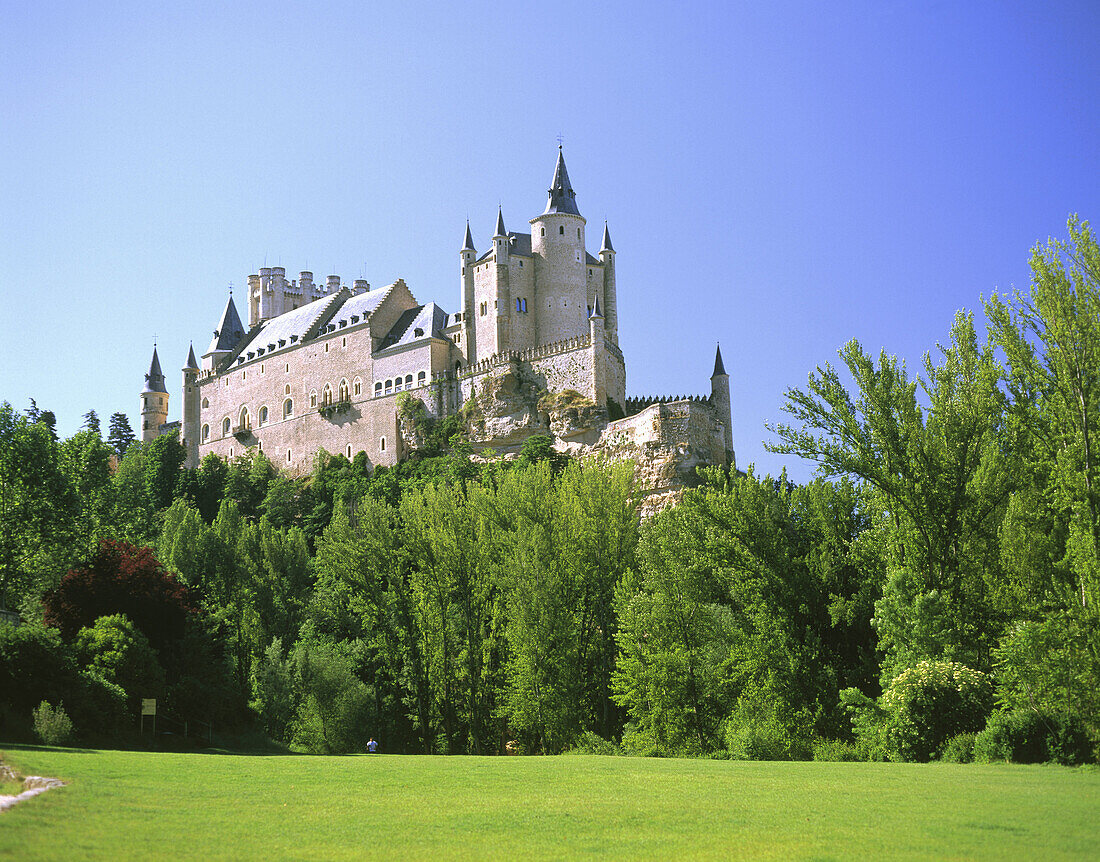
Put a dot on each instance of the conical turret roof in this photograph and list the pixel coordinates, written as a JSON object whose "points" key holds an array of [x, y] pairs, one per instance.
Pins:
{"points": [[154, 380], [562, 197], [468, 244], [229, 331], [606, 245], [719, 368], [501, 231], [596, 309], [192, 364]]}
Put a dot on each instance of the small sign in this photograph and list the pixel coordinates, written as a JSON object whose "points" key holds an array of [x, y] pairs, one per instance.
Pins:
{"points": [[149, 706]]}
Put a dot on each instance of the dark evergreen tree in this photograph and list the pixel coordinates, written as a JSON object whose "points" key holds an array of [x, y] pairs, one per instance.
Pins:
{"points": [[121, 435]]}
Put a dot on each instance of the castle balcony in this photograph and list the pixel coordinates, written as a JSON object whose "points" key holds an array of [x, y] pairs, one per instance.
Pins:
{"points": [[241, 432], [334, 408]]}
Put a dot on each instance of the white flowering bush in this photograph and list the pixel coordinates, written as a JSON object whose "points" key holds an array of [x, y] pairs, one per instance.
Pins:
{"points": [[931, 702]]}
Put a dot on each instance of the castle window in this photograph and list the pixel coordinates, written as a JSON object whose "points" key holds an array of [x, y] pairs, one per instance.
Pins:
{"points": [[382, 444], [288, 456], [408, 381], [521, 264], [225, 426], [205, 433], [205, 402], [287, 368], [421, 378], [344, 341], [389, 386], [521, 305], [312, 399], [245, 422], [397, 384], [589, 272], [458, 338], [288, 409], [260, 445], [578, 233], [377, 388], [542, 231], [326, 395], [484, 308], [261, 368], [561, 229], [263, 415], [230, 451], [244, 375], [344, 390], [226, 382], [418, 332], [349, 451], [286, 389], [326, 347], [357, 386]]}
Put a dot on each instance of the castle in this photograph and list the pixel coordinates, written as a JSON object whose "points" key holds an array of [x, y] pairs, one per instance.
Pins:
{"points": [[535, 347]]}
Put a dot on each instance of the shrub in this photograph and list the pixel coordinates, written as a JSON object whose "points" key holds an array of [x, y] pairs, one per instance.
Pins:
{"points": [[51, 724], [592, 743], [927, 704], [764, 739], [35, 665], [116, 651], [836, 751], [959, 749], [1028, 736], [868, 724]]}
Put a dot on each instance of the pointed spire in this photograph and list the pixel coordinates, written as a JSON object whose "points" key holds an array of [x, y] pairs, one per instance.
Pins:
{"points": [[154, 380], [596, 313], [468, 245], [562, 197], [229, 331], [719, 368], [191, 365], [606, 246], [500, 225]]}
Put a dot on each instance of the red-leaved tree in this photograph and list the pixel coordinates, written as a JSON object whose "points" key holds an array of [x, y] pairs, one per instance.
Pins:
{"points": [[121, 579]]}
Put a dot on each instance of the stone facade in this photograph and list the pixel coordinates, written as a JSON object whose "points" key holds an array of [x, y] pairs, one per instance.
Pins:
{"points": [[534, 348]]}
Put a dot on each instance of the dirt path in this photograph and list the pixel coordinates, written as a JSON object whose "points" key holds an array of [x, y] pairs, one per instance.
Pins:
{"points": [[32, 786]]}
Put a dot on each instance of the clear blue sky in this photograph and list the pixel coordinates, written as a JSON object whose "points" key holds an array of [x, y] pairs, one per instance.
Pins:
{"points": [[780, 177]]}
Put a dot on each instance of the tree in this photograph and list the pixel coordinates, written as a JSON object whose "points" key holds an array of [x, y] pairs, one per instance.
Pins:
{"points": [[943, 474], [37, 504], [120, 435], [116, 651], [1051, 339], [91, 422], [120, 578]]}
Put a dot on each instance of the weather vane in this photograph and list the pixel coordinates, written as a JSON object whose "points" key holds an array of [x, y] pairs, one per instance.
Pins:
{"points": [[560, 139]]}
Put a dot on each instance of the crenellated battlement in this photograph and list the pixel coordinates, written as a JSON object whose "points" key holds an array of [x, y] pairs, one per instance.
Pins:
{"points": [[636, 405]]}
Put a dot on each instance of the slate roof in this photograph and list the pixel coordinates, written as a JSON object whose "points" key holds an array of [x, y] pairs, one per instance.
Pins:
{"points": [[468, 244], [606, 245], [719, 368], [229, 332], [154, 380], [191, 363], [501, 230], [562, 197], [428, 320], [291, 328], [360, 307]]}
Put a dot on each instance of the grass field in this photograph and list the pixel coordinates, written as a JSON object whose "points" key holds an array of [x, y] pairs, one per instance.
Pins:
{"points": [[128, 805]]}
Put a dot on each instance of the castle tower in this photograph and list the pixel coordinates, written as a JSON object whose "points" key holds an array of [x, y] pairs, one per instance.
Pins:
{"points": [[598, 387], [720, 398], [154, 401], [557, 244], [503, 299], [468, 255], [190, 418], [229, 332], [610, 301]]}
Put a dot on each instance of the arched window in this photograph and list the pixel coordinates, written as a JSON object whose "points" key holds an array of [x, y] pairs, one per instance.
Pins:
{"points": [[288, 409], [421, 378], [344, 390], [263, 415], [326, 395], [313, 399], [357, 386], [245, 421], [389, 386], [408, 381], [226, 424], [377, 388], [542, 231], [349, 451], [205, 433], [286, 389], [383, 444], [205, 402], [561, 229]]}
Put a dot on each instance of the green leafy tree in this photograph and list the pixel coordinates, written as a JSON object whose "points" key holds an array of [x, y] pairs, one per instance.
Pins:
{"points": [[116, 651], [37, 505], [943, 476]]}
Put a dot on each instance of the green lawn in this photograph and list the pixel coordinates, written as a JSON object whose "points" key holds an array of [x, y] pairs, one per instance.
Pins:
{"points": [[127, 805]]}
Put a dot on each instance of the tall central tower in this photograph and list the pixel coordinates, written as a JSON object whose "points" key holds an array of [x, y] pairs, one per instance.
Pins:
{"points": [[557, 244]]}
